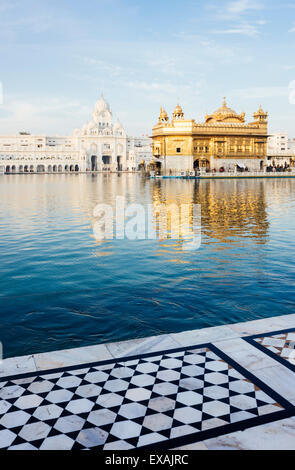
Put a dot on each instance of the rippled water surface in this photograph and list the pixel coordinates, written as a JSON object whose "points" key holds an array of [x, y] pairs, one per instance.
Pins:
{"points": [[60, 288]]}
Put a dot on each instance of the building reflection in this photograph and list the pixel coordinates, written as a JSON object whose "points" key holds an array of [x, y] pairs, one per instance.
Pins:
{"points": [[230, 208]]}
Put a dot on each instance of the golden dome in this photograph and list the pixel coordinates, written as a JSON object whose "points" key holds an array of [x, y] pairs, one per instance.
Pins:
{"points": [[260, 115], [178, 113], [163, 115], [178, 109], [224, 110], [225, 113]]}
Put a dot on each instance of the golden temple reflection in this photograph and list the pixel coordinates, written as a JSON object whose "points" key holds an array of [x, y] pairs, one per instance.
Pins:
{"points": [[229, 208]]}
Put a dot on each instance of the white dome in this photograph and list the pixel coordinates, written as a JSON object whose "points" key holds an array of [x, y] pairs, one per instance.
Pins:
{"points": [[102, 105]]}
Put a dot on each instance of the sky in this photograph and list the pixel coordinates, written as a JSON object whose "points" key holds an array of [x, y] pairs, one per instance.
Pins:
{"points": [[57, 57]]}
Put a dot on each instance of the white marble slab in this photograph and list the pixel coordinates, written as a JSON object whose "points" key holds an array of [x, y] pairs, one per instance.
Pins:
{"points": [[196, 446], [279, 435], [263, 325], [17, 365], [71, 357], [205, 335], [280, 379], [146, 345], [246, 355]]}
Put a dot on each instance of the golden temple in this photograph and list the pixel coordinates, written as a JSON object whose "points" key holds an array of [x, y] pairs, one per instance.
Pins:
{"points": [[223, 142]]}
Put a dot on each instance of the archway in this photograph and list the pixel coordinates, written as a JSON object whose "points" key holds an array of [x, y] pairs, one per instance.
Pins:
{"points": [[261, 165], [13, 168], [205, 164], [72, 168], [59, 168], [54, 168], [196, 164], [119, 163], [32, 169], [94, 163], [67, 168], [76, 167], [7, 169], [49, 169], [26, 168], [40, 169], [21, 169], [106, 160]]}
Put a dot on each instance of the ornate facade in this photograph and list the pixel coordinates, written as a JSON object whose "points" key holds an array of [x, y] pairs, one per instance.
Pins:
{"points": [[223, 142], [100, 145]]}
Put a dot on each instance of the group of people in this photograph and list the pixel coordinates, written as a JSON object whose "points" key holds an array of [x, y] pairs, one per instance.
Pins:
{"points": [[285, 167]]}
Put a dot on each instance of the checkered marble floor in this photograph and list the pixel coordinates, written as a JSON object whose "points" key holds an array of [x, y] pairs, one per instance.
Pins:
{"points": [[278, 344], [158, 400]]}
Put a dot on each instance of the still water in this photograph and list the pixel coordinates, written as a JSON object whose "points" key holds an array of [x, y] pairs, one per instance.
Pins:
{"points": [[61, 288]]}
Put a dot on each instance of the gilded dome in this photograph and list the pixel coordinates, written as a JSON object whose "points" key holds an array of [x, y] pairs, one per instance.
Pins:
{"points": [[225, 110], [178, 110], [163, 115], [178, 113], [224, 113]]}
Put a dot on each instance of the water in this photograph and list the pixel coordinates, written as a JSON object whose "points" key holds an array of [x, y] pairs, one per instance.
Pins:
{"points": [[60, 288]]}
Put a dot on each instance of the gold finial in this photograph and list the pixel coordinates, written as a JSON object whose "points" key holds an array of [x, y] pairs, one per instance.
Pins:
{"points": [[224, 101]]}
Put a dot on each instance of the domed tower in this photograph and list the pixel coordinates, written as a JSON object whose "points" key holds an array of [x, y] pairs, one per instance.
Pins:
{"points": [[260, 116], [178, 113], [102, 113], [163, 118]]}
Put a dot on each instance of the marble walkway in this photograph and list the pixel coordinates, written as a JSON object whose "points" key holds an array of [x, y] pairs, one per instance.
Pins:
{"points": [[226, 387]]}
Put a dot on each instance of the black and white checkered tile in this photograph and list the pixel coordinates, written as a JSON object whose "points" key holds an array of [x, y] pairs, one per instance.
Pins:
{"points": [[156, 400], [280, 345]]}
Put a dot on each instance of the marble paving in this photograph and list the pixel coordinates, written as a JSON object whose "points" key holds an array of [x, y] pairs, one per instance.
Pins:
{"points": [[279, 345], [227, 387]]}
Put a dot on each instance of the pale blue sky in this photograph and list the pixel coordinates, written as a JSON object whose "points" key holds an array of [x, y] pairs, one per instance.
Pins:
{"points": [[57, 56]]}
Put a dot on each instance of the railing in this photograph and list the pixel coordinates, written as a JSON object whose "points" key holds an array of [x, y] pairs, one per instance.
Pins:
{"points": [[246, 174]]}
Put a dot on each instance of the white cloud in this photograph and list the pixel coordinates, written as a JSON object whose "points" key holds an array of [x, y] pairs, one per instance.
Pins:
{"points": [[240, 7], [153, 86], [261, 92], [52, 115], [243, 29]]}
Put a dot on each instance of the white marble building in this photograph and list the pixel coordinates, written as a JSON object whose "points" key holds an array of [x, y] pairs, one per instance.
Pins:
{"points": [[100, 145], [141, 148], [280, 150]]}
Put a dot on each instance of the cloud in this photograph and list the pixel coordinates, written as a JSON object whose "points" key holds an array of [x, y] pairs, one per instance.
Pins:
{"points": [[242, 6], [261, 92], [101, 65], [153, 86], [243, 29], [237, 9], [52, 115], [236, 15], [292, 30]]}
